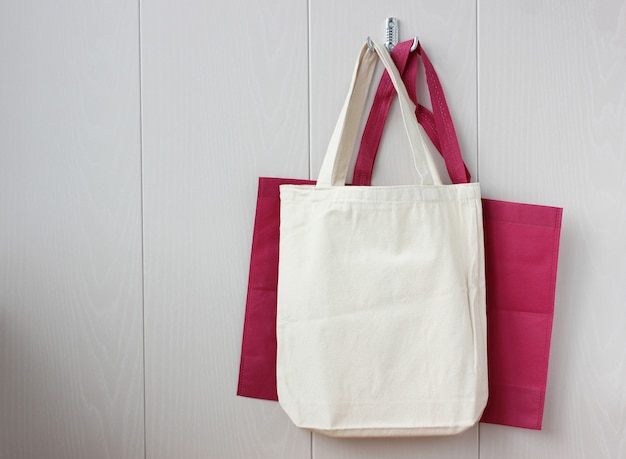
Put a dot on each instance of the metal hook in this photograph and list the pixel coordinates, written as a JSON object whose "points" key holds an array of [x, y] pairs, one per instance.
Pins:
{"points": [[391, 33]]}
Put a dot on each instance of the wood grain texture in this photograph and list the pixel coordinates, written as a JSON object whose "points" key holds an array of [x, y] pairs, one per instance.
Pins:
{"points": [[235, 90], [71, 370], [552, 116], [448, 32], [225, 92]]}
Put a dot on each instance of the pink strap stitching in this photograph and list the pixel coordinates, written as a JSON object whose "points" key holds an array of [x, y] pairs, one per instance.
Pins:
{"points": [[375, 122], [433, 123]]}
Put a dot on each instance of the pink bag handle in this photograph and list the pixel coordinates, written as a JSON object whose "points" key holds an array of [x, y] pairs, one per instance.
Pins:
{"points": [[344, 138], [438, 125], [378, 114]]}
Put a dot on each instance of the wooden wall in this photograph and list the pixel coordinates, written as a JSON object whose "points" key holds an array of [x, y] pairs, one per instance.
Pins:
{"points": [[131, 138]]}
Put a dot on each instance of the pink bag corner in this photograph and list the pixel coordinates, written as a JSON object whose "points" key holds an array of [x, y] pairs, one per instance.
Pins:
{"points": [[520, 308], [257, 370]]}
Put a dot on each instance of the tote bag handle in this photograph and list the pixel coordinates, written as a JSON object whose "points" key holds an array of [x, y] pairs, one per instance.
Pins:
{"points": [[438, 124], [401, 54], [337, 159]]}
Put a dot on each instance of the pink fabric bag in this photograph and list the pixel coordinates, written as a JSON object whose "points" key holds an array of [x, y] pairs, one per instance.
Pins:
{"points": [[521, 253]]}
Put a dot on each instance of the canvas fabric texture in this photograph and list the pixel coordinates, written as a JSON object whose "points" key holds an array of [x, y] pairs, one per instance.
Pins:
{"points": [[381, 323]]}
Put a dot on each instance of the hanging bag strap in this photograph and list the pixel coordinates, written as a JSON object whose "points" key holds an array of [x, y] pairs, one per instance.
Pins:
{"points": [[437, 124], [406, 62], [402, 53], [443, 120], [337, 159]]}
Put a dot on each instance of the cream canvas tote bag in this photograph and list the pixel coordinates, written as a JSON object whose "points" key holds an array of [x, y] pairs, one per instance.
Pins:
{"points": [[381, 326]]}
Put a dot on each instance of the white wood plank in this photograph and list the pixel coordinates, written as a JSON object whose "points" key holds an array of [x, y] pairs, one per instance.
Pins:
{"points": [[225, 94], [447, 30], [71, 371], [552, 116]]}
